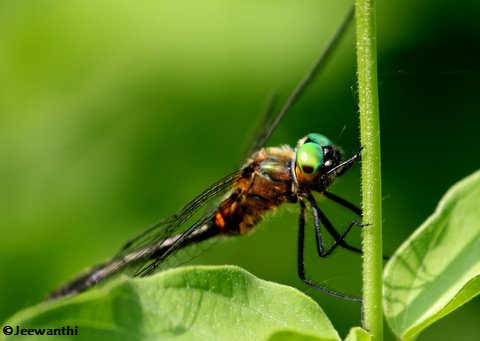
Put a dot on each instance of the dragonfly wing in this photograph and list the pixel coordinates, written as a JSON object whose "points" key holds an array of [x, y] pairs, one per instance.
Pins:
{"points": [[169, 257], [258, 137], [273, 117], [166, 236], [144, 253]]}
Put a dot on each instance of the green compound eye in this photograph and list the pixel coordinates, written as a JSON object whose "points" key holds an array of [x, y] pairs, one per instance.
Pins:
{"points": [[318, 139], [309, 157]]}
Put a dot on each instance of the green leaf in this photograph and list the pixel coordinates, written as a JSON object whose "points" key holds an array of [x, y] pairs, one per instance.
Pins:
{"points": [[358, 334], [290, 335], [187, 303], [438, 268]]}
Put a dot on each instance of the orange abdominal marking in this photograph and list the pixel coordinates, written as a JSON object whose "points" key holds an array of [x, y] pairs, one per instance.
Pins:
{"points": [[219, 221]]}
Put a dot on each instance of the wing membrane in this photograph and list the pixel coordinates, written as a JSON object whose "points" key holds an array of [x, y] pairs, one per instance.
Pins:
{"points": [[258, 136], [271, 121], [146, 252], [177, 226]]}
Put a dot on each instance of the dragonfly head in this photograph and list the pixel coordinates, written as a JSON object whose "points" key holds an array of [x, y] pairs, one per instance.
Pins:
{"points": [[315, 156]]}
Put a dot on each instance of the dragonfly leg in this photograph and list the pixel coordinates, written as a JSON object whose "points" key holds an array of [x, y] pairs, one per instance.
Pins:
{"points": [[329, 226], [301, 263], [319, 216], [350, 162], [344, 166], [345, 203]]}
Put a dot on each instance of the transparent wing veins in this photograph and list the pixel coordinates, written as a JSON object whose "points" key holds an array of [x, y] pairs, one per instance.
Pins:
{"points": [[166, 228], [270, 123]]}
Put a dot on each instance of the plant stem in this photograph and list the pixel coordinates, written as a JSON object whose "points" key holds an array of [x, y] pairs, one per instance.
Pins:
{"points": [[371, 179]]}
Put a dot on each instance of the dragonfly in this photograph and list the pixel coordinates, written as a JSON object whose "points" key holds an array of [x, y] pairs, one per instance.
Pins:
{"points": [[270, 177]]}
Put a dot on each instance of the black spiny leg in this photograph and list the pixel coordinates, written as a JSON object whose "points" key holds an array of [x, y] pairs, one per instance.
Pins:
{"points": [[339, 238], [301, 265], [345, 165], [343, 202], [329, 226]]}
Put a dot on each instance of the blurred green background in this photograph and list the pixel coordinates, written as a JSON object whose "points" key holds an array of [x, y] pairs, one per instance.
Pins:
{"points": [[115, 113]]}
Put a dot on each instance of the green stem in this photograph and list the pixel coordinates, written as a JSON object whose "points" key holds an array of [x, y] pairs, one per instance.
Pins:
{"points": [[371, 180]]}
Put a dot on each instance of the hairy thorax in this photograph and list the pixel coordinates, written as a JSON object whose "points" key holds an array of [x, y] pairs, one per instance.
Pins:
{"points": [[265, 183]]}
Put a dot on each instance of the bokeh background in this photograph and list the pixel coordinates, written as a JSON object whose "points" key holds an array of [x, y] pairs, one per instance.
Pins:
{"points": [[115, 113]]}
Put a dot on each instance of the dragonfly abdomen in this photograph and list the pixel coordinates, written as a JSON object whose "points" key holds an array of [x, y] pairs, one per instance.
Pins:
{"points": [[240, 217]]}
